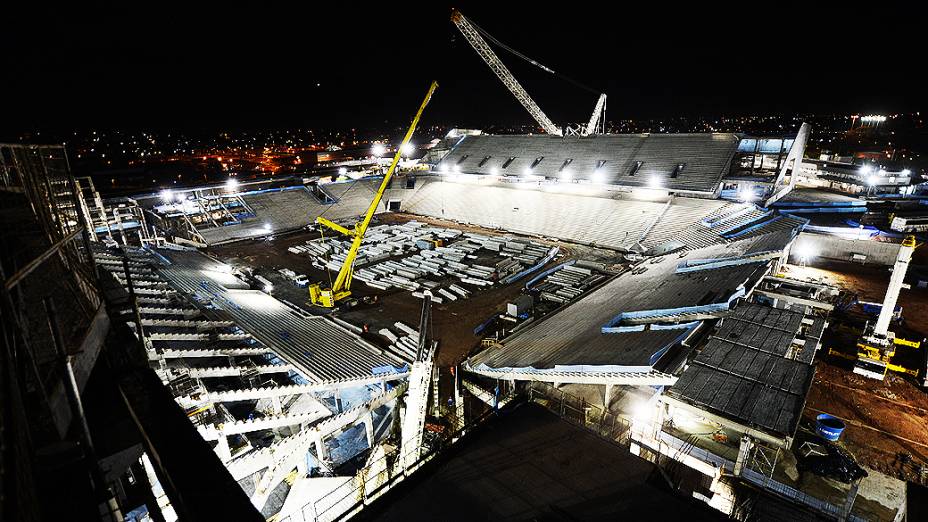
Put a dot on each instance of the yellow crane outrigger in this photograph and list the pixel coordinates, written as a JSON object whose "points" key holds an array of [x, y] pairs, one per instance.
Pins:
{"points": [[329, 297]]}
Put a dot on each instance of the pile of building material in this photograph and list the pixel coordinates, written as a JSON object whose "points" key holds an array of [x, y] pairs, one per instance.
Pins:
{"points": [[405, 344], [415, 257], [568, 283]]}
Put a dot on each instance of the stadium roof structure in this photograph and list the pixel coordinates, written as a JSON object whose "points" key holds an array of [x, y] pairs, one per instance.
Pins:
{"points": [[627, 325], [756, 369], [687, 163], [318, 348]]}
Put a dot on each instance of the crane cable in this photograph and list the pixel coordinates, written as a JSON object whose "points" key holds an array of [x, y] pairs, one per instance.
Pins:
{"points": [[543, 67]]}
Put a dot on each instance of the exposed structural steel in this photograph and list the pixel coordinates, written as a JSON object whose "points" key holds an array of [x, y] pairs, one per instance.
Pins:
{"points": [[329, 297], [877, 347], [598, 114], [895, 286], [502, 72]]}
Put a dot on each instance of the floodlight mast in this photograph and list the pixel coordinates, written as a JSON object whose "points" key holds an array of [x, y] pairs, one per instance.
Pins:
{"points": [[502, 72], [329, 297]]}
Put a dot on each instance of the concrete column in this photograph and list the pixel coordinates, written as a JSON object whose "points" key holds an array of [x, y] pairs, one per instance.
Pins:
{"points": [[369, 428], [320, 448], [607, 396], [222, 449], [278, 408], [301, 466], [659, 417], [743, 451], [338, 400]]}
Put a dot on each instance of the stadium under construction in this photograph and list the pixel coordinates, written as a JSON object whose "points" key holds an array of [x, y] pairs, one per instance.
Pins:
{"points": [[506, 302]]}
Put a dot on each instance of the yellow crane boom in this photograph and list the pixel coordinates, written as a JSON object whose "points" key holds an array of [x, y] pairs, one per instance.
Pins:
{"points": [[329, 297]]}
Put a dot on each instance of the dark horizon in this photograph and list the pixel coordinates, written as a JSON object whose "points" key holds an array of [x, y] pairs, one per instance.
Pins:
{"points": [[366, 67]]}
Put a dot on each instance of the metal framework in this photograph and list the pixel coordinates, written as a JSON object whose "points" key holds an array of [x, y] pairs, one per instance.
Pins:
{"points": [[502, 72], [598, 114], [329, 297]]}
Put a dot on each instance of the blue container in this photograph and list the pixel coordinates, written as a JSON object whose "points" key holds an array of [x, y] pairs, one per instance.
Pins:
{"points": [[829, 426]]}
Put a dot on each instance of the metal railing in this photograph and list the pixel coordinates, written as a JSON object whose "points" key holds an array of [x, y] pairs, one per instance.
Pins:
{"points": [[607, 424], [379, 475]]}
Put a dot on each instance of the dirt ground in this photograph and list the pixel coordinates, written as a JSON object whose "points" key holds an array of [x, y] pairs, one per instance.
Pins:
{"points": [[887, 421], [453, 323]]}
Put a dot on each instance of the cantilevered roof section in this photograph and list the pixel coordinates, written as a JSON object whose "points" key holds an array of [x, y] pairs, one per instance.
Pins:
{"points": [[679, 162], [755, 369], [627, 324], [318, 348]]}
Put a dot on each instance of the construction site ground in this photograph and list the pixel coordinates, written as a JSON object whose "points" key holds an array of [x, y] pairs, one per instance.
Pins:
{"points": [[453, 322], [887, 422]]}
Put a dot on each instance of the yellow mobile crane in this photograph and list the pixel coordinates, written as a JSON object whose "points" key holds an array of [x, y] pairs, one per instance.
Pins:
{"points": [[330, 297]]}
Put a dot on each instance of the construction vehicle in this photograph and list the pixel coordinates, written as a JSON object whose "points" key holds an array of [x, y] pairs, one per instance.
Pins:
{"points": [[329, 297], [475, 37], [877, 346]]}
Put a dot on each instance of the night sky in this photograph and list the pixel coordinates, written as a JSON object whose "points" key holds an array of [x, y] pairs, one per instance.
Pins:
{"points": [[354, 65]]}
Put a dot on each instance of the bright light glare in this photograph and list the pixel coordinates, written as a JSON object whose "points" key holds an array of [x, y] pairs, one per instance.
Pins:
{"points": [[655, 182], [527, 171], [598, 176], [167, 195], [443, 168], [378, 149], [567, 174], [494, 171], [231, 183], [906, 172], [747, 195], [342, 171], [268, 288], [866, 169], [266, 227], [456, 168], [871, 180], [643, 412], [805, 250], [407, 149]]}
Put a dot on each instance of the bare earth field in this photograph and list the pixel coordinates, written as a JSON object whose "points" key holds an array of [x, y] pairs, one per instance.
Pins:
{"points": [[453, 323], [888, 420]]}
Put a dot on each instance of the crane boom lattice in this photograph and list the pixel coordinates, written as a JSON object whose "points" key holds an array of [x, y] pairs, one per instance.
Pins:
{"points": [[502, 72]]}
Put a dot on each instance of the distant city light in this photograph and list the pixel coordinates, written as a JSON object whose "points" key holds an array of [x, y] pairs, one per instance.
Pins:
{"points": [[873, 118], [232, 184], [378, 149], [407, 149]]}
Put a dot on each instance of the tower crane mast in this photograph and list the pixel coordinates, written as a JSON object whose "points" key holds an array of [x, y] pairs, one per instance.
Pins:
{"points": [[502, 72]]}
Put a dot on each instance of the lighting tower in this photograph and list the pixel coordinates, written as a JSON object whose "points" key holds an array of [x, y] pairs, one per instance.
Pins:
{"points": [[878, 345]]}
